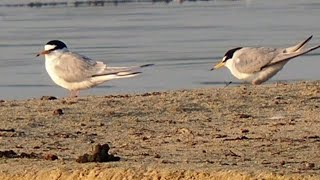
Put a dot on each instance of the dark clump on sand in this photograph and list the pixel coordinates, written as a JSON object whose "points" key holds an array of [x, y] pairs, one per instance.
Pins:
{"points": [[48, 98], [99, 154], [32, 155]]}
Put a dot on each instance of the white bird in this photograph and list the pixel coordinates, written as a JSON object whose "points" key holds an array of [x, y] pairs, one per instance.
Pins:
{"points": [[75, 72], [258, 64]]}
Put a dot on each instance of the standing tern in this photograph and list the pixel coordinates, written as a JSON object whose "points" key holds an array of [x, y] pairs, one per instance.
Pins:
{"points": [[258, 64], [76, 72]]}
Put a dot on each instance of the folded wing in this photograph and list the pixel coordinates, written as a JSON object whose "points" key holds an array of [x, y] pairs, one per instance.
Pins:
{"points": [[74, 67], [251, 60], [255, 59]]}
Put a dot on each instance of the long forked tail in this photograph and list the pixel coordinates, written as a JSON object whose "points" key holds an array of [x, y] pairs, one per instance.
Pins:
{"points": [[298, 46], [288, 56], [304, 51]]}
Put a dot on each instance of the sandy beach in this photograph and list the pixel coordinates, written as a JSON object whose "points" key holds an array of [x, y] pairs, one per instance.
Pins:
{"points": [[245, 132]]}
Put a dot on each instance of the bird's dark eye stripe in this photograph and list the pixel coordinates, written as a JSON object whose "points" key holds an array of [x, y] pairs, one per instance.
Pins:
{"points": [[55, 48], [229, 54], [50, 50]]}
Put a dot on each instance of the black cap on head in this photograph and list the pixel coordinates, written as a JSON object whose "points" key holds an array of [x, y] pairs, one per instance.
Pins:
{"points": [[57, 43], [229, 53]]}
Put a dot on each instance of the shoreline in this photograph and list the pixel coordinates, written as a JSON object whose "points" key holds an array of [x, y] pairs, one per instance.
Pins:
{"points": [[266, 131]]}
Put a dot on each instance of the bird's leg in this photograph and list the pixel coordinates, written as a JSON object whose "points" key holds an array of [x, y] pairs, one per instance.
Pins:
{"points": [[77, 93], [71, 94], [74, 93], [228, 83]]}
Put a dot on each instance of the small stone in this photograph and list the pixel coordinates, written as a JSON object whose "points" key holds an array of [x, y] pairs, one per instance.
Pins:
{"points": [[31, 155], [145, 154], [313, 137], [209, 161], [244, 116], [245, 131], [242, 138], [310, 165], [90, 141], [48, 98], [19, 146], [50, 157], [157, 156], [8, 130], [278, 97], [8, 154], [146, 94], [220, 136], [58, 112], [282, 163]]}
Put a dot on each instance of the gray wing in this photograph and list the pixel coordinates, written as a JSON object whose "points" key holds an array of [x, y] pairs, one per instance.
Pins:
{"points": [[121, 70], [254, 59], [250, 60], [74, 67]]}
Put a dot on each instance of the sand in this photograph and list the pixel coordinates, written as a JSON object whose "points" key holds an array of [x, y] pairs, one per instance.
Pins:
{"points": [[269, 131]]}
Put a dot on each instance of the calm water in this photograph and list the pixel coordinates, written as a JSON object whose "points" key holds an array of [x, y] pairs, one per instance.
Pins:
{"points": [[183, 40]]}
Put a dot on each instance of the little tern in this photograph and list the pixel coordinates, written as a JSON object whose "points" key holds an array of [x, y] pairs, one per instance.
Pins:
{"points": [[259, 64], [76, 72]]}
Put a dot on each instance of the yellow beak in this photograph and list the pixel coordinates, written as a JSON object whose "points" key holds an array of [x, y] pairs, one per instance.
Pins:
{"points": [[217, 66]]}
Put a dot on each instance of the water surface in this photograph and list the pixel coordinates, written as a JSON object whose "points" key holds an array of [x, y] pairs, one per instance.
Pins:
{"points": [[183, 40]]}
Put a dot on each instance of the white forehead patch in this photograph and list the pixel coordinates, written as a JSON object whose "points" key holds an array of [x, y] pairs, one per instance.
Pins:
{"points": [[224, 58], [48, 47]]}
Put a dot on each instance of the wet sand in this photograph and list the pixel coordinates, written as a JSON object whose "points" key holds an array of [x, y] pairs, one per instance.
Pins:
{"points": [[268, 131]]}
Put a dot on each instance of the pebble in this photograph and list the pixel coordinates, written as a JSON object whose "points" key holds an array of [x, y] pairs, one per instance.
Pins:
{"points": [[58, 112], [244, 116], [50, 157], [48, 98], [310, 165]]}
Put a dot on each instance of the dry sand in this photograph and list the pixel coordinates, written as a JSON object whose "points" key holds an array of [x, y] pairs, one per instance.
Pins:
{"points": [[270, 131]]}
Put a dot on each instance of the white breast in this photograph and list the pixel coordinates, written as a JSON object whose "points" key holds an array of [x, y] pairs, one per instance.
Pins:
{"points": [[51, 62], [230, 64], [257, 77]]}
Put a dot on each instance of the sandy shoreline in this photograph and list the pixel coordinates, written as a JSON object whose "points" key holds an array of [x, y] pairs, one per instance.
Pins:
{"points": [[237, 132]]}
